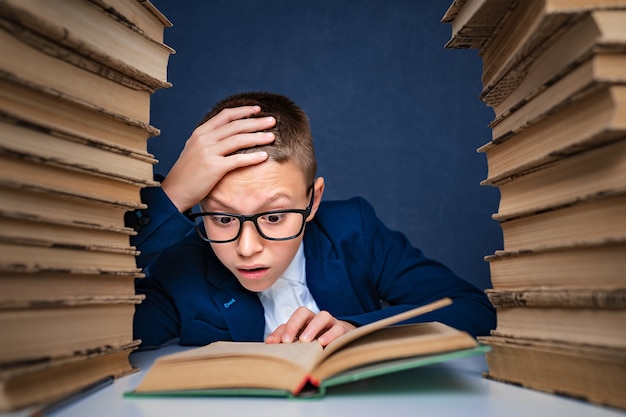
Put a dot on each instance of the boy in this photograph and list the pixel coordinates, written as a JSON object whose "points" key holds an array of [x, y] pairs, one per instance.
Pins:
{"points": [[267, 259]]}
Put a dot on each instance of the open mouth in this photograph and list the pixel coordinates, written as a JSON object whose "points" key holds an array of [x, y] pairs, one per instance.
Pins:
{"points": [[253, 273]]}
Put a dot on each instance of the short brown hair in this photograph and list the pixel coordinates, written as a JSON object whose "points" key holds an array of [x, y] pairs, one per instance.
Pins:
{"points": [[293, 138]]}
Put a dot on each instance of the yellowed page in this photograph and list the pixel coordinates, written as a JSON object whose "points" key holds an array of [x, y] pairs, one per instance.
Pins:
{"points": [[302, 355], [394, 343], [369, 328]]}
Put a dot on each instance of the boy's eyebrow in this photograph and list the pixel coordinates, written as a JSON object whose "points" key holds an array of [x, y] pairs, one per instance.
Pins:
{"points": [[229, 208]]}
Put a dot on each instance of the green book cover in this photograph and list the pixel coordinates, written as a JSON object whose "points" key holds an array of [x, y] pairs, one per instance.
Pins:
{"points": [[307, 369], [313, 392]]}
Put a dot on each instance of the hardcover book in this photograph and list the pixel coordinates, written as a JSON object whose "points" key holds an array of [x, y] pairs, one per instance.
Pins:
{"points": [[307, 369]]}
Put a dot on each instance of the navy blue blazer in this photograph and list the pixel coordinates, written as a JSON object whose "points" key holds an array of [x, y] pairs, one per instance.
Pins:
{"points": [[356, 268]]}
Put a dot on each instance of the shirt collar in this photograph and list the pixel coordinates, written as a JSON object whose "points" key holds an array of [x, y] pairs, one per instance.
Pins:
{"points": [[296, 269]]}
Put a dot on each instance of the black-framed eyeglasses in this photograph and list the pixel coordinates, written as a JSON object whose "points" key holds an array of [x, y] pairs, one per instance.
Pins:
{"points": [[219, 227]]}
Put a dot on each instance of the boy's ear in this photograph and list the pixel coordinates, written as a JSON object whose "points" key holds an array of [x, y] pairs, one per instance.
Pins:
{"points": [[318, 186]]}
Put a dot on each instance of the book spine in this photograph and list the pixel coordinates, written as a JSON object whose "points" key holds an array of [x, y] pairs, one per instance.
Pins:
{"points": [[567, 298], [99, 86], [57, 40]]}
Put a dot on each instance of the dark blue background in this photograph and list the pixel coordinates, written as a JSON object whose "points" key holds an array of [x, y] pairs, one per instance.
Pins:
{"points": [[396, 117]]}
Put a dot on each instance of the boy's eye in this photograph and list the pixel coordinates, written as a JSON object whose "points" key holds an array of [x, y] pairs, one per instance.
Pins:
{"points": [[273, 218], [222, 220]]}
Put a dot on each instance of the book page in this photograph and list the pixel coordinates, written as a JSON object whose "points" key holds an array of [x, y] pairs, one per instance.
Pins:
{"points": [[392, 343], [303, 355], [369, 328]]}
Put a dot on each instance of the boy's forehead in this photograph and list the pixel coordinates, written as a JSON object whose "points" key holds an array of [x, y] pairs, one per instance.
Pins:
{"points": [[264, 178]]}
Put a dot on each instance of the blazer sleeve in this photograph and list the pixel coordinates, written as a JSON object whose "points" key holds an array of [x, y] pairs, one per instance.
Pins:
{"points": [[157, 319], [159, 226], [403, 277]]}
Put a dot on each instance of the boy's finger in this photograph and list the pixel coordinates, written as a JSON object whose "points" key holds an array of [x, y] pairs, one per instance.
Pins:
{"points": [[251, 125], [298, 321], [275, 336], [244, 160], [334, 332], [242, 141], [225, 127], [322, 321], [228, 115]]}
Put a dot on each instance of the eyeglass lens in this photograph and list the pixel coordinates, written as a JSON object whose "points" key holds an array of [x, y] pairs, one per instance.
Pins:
{"points": [[277, 225]]}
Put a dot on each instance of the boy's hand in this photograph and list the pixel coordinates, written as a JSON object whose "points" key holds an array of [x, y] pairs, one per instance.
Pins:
{"points": [[207, 157], [305, 326]]}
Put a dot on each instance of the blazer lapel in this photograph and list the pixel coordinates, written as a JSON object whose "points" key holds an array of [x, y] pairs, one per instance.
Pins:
{"points": [[241, 309], [242, 312], [327, 277]]}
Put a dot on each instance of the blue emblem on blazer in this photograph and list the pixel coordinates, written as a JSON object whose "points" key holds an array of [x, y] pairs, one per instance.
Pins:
{"points": [[230, 303]]}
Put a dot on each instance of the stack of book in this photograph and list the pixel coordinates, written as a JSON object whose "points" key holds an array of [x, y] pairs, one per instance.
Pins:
{"points": [[76, 78], [554, 73]]}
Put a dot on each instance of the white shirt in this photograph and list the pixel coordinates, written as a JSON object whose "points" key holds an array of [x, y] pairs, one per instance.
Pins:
{"points": [[288, 293]]}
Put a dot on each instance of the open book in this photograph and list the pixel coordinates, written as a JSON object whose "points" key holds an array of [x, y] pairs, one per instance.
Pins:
{"points": [[307, 369]]}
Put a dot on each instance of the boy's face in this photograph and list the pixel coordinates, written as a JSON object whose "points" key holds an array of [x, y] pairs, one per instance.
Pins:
{"points": [[257, 262]]}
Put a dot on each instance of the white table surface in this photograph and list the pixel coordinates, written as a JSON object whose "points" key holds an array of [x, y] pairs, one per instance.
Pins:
{"points": [[455, 388]]}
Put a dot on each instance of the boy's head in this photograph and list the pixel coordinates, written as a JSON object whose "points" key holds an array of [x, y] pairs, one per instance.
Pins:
{"points": [[293, 140], [256, 199]]}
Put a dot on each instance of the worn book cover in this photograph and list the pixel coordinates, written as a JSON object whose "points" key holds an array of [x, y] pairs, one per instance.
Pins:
{"points": [[307, 369]]}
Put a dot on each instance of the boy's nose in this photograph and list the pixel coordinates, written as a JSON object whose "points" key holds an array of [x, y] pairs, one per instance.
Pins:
{"points": [[250, 241]]}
